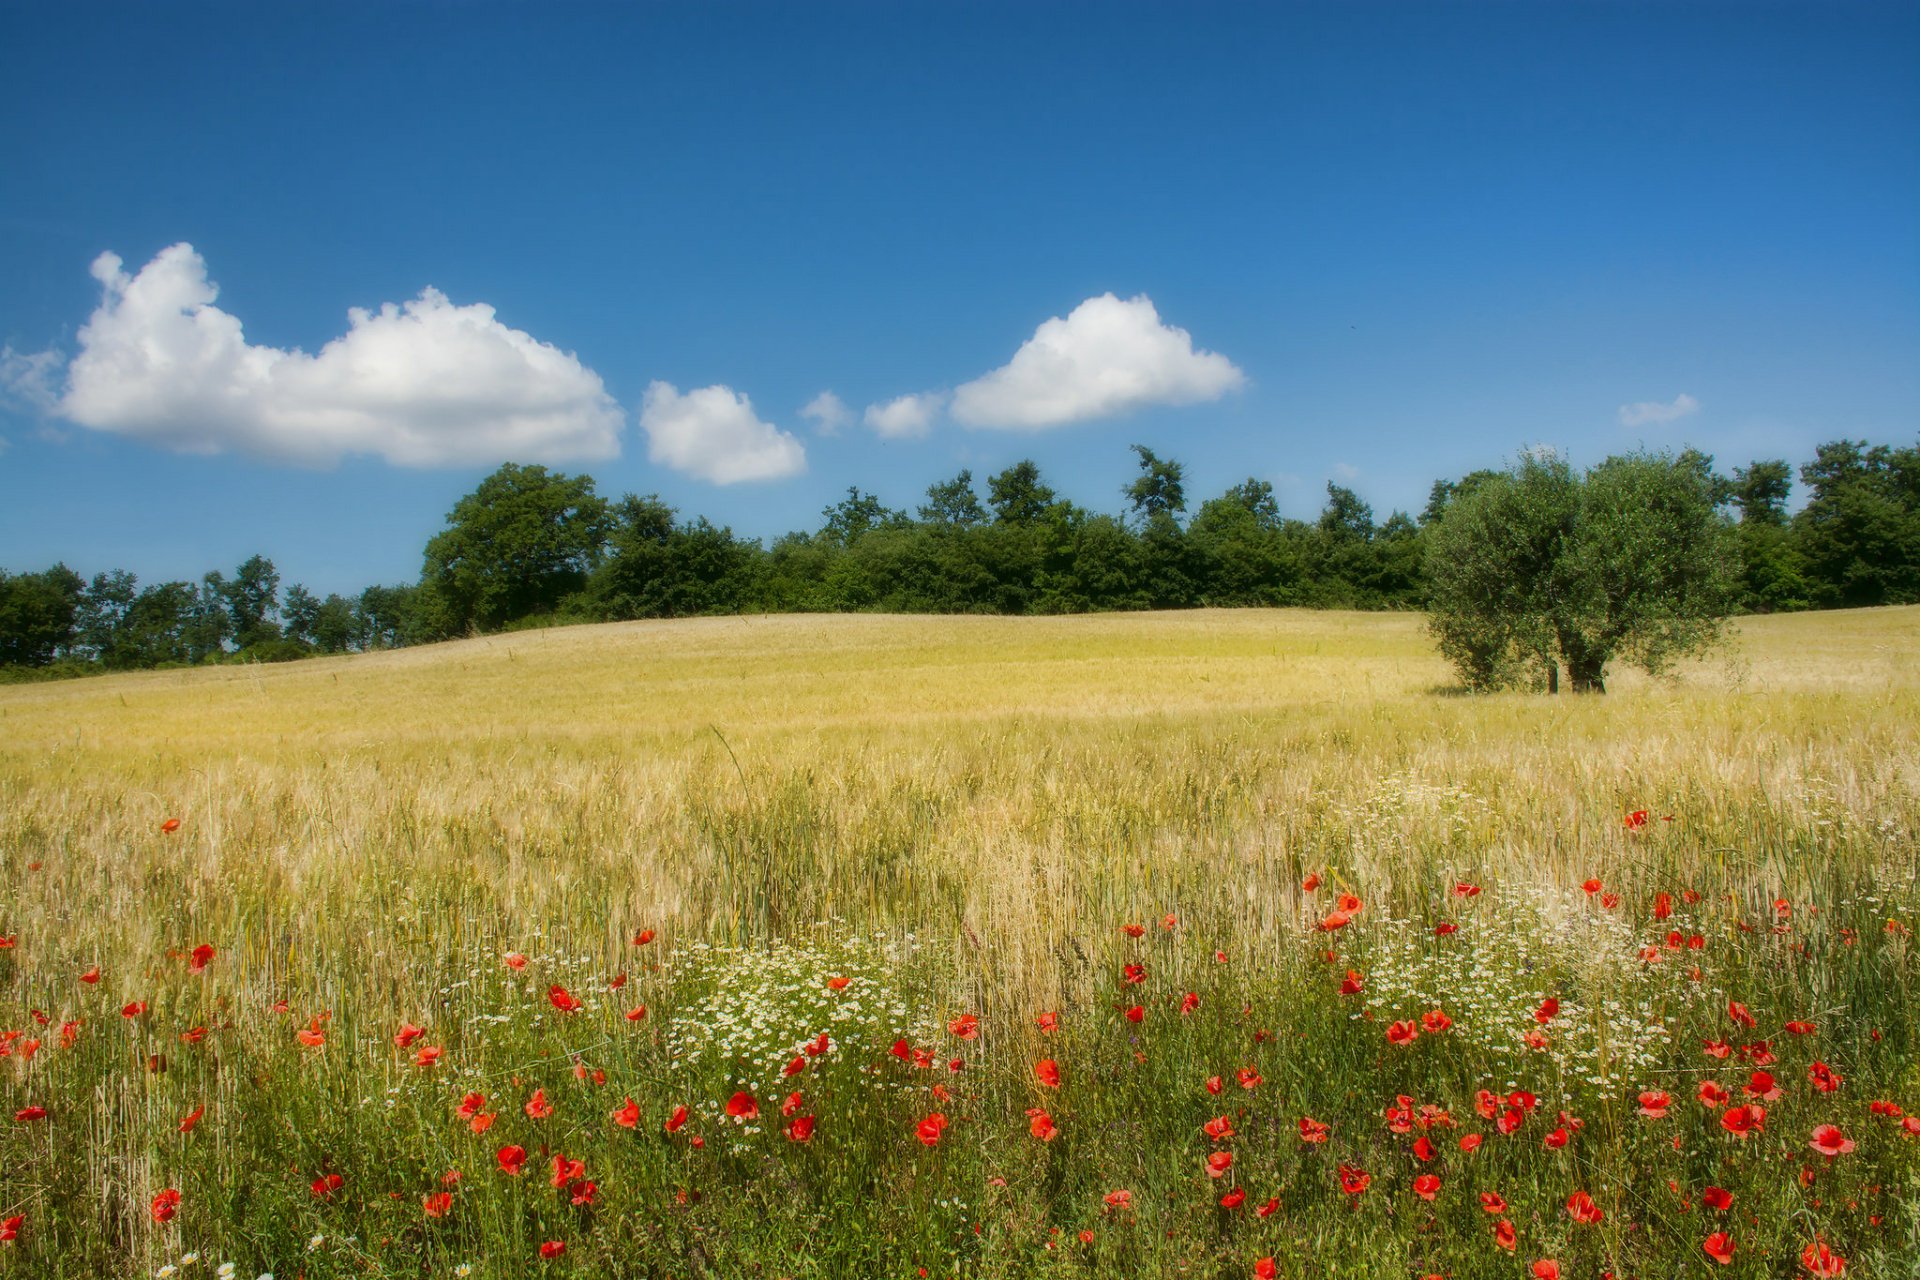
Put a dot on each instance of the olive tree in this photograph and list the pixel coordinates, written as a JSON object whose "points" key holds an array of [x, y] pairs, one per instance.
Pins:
{"points": [[1538, 570]]}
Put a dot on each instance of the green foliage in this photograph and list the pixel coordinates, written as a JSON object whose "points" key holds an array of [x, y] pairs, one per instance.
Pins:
{"points": [[1540, 569], [517, 545], [1860, 530], [530, 547]]}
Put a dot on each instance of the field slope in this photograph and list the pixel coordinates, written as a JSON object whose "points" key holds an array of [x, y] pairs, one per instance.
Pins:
{"points": [[959, 815]]}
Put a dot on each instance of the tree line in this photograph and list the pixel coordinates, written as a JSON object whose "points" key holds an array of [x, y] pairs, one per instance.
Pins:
{"points": [[533, 547]]}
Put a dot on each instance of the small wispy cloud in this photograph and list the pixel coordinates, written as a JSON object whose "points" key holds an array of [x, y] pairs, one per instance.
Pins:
{"points": [[1644, 412], [905, 417], [828, 413]]}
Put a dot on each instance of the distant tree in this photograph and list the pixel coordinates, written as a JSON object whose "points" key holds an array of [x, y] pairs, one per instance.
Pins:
{"points": [[334, 628], [1760, 492], [657, 568], [38, 612], [856, 514], [253, 598], [953, 502], [208, 621], [1017, 495], [1860, 530], [103, 611], [298, 613], [1444, 491], [160, 628], [516, 546], [1158, 491], [1346, 517], [386, 618], [1541, 569]]}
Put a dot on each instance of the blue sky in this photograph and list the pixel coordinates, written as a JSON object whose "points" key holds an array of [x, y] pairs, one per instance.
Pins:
{"points": [[1413, 239]]}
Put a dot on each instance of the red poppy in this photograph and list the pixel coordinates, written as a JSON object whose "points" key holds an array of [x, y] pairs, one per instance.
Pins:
{"points": [[1312, 1130], [801, 1129], [1249, 1078], [1047, 1072], [1353, 985], [1719, 1247], [1544, 1014], [91, 976], [514, 960], [407, 1034], [676, 1120], [553, 1249], [323, 1187], [170, 826], [1824, 1077], [201, 958], [1582, 1209], [838, 984], [1354, 1181], [1312, 881], [26, 1115], [1041, 1125], [1504, 1235], [1654, 1104], [134, 1008], [437, 1204], [1493, 1202], [1592, 886], [1218, 1163], [1822, 1261], [165, 1205], [561, 999], [1136, 1013], [966, 1026], [1426, 1186], [643, 937], [310, 1035], [1265, 1268], [1712, 1094], [1662, 906], [1636, 820], [192, 1118], [930, 1129], [1717, 1198], [1234, 1198], [1471, 1142], [1214, 1085], [1830, 1142], [1742, 1120], [1402, 1033], [1434, 1021], [538, 1108], [1189, 1002], [1134, 974], [1546, 1269], [627, 1116], [743, 1106], [1048, 1022], [1219, 1129], [1334, 920], [1121, 1199]]}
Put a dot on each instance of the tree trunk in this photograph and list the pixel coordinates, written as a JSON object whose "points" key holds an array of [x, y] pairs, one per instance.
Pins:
{"points": [[1553, 673], [1586, 665]]}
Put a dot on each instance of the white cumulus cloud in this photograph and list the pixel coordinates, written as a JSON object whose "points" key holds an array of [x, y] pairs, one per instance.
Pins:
{"points": [[712, 433], [1642, 412], [1107, 357], [828, 412], [423, 384], [905, 417]]}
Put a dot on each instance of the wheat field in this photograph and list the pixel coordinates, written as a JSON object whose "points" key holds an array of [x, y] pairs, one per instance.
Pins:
{"points": [[958, 816]]}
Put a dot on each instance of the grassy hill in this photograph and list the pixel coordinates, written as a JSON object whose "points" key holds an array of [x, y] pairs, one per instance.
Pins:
{"points": [[775, 798]]}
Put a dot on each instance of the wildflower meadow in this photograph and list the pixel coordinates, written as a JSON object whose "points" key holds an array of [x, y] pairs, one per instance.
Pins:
{"points": [[1220, 944]]}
